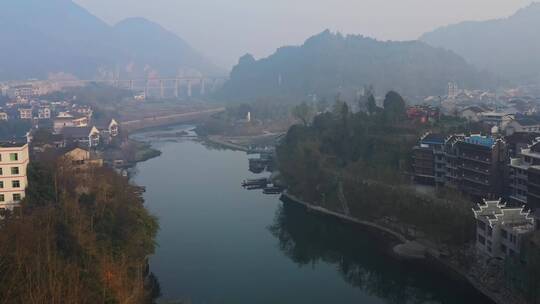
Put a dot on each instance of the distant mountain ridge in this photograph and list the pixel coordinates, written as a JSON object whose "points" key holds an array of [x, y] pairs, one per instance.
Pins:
{"points": [[328, 64], [41, 37], [509, 47]]}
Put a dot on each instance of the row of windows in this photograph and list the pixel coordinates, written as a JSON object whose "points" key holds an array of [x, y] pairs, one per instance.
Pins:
{"points": [[12, 157], [16, 197], [14, 184], [13, 170]]}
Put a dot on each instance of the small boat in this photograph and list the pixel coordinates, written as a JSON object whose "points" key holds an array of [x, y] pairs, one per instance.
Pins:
{"points": [[272, 190], [262, 182]]}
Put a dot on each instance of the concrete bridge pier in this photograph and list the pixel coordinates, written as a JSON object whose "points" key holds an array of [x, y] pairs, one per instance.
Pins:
{"points": [[203, 87], [146, 88], [189, 91], [162, 89]]}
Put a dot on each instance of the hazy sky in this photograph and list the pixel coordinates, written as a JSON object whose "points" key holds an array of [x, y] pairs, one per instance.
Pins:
{"points": [[224, 30]]}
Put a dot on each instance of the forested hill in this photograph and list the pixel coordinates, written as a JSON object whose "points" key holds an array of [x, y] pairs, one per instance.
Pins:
{"points": [[329, 63], [509, 46], [40, 37]]}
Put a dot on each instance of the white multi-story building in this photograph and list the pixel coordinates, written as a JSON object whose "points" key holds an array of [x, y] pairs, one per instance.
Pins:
{"points": [[500, 230], [14, 160], [25, 113], [44, 113]]}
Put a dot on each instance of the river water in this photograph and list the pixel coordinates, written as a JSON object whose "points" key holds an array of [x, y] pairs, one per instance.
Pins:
{"points": [[219, 243]]}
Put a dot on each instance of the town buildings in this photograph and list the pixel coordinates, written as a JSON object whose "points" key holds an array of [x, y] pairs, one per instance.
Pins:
{"points": [[429, 161], [522, 124], [82, 159], [501, 230], [14, 160], [473, 164], [481, 161]]}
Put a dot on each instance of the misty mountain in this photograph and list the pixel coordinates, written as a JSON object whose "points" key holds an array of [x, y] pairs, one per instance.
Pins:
{"points": [[41, 37], [328, 64], [509, 47]]}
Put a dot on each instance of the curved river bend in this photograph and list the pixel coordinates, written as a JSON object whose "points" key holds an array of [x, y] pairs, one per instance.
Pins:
{"points": [[220, 244]]}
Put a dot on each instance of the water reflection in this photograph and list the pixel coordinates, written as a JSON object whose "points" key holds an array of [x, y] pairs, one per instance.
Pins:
{"points": [[362, 259]]}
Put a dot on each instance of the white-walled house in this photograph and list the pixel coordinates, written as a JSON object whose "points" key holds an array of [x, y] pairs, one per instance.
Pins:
{"points": [[501, 229], [14, 160]]}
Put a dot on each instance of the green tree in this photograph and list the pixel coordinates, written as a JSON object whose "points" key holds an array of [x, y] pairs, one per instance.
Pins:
{"points": [[304, 112], [394, 107], [371, 105]]}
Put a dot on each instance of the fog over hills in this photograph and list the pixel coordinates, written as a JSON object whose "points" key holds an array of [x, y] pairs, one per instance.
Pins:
{"points": [[509, 46], [328, 64], [43, 37]]}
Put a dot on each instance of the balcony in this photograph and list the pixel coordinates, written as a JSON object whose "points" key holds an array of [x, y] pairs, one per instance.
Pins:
{"points": [[423, 158], [423, 166], [476, 158], [533, 194], [519, 198], [477, 170], [476, 180]]}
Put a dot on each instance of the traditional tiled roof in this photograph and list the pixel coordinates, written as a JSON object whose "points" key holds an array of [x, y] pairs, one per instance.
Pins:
{"points": [[433, 138], [476, 139], [74, 132]]}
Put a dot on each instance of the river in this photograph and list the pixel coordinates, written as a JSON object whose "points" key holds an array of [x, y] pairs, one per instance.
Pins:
{"points": [[219, 243]]}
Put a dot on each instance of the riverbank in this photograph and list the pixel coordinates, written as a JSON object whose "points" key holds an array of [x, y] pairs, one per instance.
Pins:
{"points": [[168, 120], [416, 249], [243, 143]]}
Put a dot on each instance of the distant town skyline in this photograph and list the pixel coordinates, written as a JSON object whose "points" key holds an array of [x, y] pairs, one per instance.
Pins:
{"points": [[225, 30]]}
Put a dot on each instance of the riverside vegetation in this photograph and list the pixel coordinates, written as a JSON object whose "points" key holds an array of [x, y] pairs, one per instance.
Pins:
{"points": [[357, 164], [79, 237], [364, 155]]}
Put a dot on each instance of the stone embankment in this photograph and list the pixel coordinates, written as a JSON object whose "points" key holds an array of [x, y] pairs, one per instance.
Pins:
{"points": [[166, 120], [422, 250]]}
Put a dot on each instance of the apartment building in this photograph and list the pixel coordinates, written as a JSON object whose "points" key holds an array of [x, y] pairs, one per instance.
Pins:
{"points": [[473, 164], [501, 230], [428, 160], [44, 112], [453, 174], [25, 113], [481, 161], [14, 159]]}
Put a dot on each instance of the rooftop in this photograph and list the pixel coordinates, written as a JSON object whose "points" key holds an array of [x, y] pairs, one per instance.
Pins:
{"points": [[76, 132], [485, 141], [497, 212], [433, 138], [14, 144]]}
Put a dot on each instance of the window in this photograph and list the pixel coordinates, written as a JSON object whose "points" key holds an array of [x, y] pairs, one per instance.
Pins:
{"points": [[503, 248], [481, 225], [1, 185], [16, 184], [13, 156], [2, 198], [1, 172], [17, 197], [14, 170], [481, 240], [504, 234]]}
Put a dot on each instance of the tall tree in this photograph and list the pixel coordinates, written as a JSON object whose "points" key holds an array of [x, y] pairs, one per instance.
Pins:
{"points": [[304, 112], [394, 106], [371, 105]]}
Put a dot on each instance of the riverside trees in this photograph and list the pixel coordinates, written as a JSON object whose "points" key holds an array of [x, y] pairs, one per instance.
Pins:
{"points": [[368, 154], [81, 237]]}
